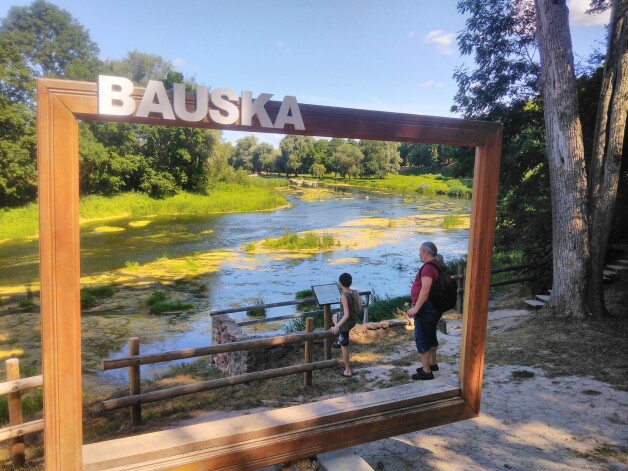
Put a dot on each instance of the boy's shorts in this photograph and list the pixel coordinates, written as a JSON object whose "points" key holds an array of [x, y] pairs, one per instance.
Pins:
{"points": [[343, 338]]}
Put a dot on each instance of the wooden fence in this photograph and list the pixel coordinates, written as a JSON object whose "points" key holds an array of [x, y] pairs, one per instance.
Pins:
{"points": [[522, 277], [17, 428], [318, 312], [136, 398]]}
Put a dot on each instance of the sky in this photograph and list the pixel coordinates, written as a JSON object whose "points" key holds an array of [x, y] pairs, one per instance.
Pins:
{"points": [[397, 55]]}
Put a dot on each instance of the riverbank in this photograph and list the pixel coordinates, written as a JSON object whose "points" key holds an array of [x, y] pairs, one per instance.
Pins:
{"points": [[252, 195]]}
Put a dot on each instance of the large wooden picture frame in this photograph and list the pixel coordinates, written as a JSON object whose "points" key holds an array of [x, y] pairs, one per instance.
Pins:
{"points": [[60, 104]]}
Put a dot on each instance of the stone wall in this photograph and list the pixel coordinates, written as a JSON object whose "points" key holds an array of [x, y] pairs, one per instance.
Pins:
{"points": [[225, 330]]}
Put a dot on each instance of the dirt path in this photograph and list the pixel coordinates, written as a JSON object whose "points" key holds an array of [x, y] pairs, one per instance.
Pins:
{"points": [[533, 423]]}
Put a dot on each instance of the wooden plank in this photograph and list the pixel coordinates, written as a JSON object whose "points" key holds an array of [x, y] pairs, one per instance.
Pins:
{"points": [[617, 267], [57, 168], [22, 429], [535, 304], [23, 384], [251, 441]]}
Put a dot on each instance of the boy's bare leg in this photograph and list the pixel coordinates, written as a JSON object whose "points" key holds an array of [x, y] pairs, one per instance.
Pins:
{"points": [[345, 359]]}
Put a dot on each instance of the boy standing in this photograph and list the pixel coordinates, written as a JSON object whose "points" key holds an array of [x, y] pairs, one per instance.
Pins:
{"points": [[345, 320]]}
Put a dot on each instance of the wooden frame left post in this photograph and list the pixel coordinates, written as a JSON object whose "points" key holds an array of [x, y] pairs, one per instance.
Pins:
{"points": [[57, 157]]}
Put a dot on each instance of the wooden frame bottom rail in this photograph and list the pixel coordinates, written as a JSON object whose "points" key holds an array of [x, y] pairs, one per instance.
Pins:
{"points": [[253, 441]]}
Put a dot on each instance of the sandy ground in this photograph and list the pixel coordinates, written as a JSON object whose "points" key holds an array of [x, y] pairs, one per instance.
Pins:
{"points": [[537, 423]]}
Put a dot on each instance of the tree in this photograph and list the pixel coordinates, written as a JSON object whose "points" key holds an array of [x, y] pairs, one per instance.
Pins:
{"points": [[39, 40], [140, 67], [244, 152], [296, 153], [380, 158], [51, 42], [264, 157], [504, 35], [347, 159], [610, 130]]}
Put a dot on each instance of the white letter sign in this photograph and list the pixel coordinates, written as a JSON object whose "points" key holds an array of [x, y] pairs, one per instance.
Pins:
{"points": [[220, 106]]}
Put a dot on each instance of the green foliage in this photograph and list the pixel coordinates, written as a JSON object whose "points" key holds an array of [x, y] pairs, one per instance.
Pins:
{"points": [[451, 222], [259, 310], [424, 184], [158, 304], [32, 402], [387, 307], [27, 302], [308, 241], [92, 295]]}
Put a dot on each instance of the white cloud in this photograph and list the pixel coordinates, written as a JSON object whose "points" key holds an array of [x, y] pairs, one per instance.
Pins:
{"points": [[442, 40], [283, 47], [412, 34], [431, 84], [178, 62], [578, 17]]}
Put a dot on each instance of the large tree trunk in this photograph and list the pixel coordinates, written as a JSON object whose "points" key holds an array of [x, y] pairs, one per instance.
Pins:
{"points": [[565, 152], [607, 148]]}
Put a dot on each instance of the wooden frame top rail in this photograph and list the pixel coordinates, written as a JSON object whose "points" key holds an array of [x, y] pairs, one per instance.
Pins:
{"points": [[60, 104]]}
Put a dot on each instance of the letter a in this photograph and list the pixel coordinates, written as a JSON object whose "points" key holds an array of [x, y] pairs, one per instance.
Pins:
{"points": [[114, 96], [289, 105], [155, 89]]}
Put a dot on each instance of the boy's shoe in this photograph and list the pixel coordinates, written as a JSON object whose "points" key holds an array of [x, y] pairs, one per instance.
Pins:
{"points": [[420, 374], [432, 367]]}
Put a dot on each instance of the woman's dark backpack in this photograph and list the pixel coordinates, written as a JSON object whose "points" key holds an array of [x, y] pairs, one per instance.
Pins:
{"points": [[444, 290]]}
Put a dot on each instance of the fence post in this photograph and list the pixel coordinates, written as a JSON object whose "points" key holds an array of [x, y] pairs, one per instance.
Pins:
{"points": [[309, 327], [327, 326], [366, 309], [460, 281], [16, 445], [134, 381]]}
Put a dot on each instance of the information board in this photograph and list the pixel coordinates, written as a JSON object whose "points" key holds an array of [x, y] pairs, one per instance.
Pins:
{"points": [[326, 294]]}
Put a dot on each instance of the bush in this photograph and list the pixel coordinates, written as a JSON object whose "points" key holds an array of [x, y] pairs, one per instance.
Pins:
{"points": [[257, 311], [158, 304], [92, 296], [387, 307]]}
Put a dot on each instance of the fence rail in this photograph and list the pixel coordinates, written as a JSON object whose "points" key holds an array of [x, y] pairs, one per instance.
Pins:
{"points": [[16, 430], [136, 398], [318, 312]]}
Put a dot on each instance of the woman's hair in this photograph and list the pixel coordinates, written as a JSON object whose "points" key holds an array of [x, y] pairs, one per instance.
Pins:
{"points": [[345, 280], [430, 247]]}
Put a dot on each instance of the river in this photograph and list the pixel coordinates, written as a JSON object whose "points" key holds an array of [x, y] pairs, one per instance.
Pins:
{"points": [[205, 259]]}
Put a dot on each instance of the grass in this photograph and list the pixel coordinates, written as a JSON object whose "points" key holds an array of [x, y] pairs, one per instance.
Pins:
{"points": [[159, 304], [255, 194], [291, 241], [32, 403], [425, 184], [258, 311], [92, 296]]}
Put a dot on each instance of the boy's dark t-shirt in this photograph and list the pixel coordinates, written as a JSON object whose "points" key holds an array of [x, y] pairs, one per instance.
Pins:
{"points": [[352, 303]]}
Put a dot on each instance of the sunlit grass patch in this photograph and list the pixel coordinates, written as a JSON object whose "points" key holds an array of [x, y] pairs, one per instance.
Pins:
{"points": [[451, 222], [142, 223], [310, 240], [108, 229], [11, 353]]}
